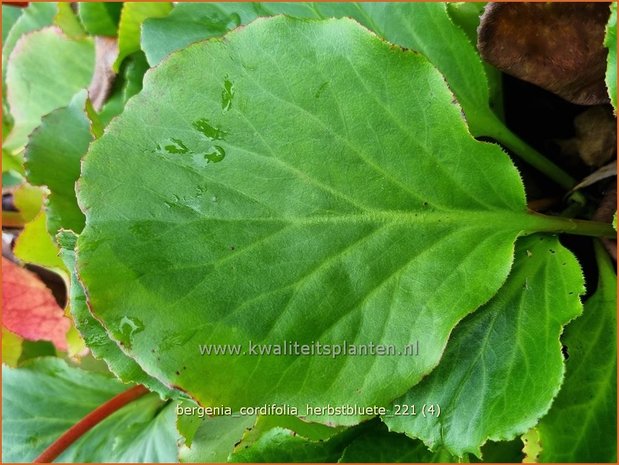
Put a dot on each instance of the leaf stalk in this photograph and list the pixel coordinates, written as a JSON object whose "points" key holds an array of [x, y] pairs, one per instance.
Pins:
{"points": [[88, 422], [560, 224]]}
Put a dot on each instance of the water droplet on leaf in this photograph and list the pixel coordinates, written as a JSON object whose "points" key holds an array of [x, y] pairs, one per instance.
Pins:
{"points": [[216, 154], [128, 328], [321, 89], [206, 128], [176, 146], [226, 95]]}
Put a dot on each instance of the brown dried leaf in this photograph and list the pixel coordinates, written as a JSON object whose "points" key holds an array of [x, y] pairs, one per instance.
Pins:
{"points": [[557, 46], [595, 139]]}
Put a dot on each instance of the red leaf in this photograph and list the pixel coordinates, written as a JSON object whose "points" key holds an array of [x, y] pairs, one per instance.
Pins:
{"points": [[29, 308]]}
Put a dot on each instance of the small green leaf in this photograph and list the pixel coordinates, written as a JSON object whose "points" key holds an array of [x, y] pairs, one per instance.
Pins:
{"points": [[67, 20], [532, 446], [35, 245], [127, 84], [129, 29], [11, 347], [28, 200], [53, 156], [582, 424], [97, 340], [12, 162], [610, 42], [45, 70], [100, 18], [503, 364]]}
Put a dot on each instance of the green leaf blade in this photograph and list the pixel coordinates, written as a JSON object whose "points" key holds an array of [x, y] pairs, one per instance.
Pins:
{"points": [[53, 156], [45, 397], [503, 364], [191, 22], [100, 18], [132, 17], [46, 388], [268, 228], [95, 337], [582, 424], [44, 71]]}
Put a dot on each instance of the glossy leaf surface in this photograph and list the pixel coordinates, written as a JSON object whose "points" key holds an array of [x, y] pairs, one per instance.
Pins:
{"points": [[268, 225]]}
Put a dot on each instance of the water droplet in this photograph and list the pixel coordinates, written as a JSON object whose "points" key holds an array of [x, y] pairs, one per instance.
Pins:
{"points": [[176, 146], [321, 89], [214, 199], [234, 21], [200, 191], [205, 127], [216, 154], [226, 95], [128, 328]]}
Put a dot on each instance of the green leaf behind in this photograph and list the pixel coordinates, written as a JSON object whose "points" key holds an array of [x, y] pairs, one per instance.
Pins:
{"points": [[53, 156], [582, 424], [503, 364], [97, 340], [45, 70]]}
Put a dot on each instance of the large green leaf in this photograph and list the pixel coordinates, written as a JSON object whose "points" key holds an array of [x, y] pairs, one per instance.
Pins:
{"points": [[503, 364], [611, 43], [45, 70], [45, 397], [320, 197], [53, 159], [582, 423], [101, 346]]}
